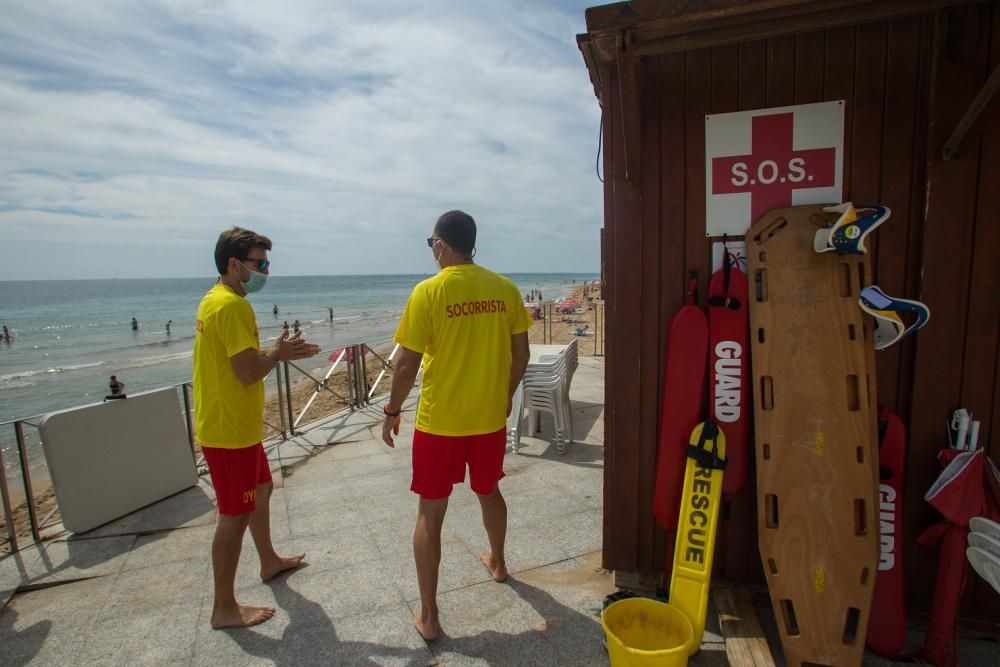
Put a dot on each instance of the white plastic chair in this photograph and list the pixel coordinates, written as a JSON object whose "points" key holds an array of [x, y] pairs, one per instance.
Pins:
{"points": [[515, 418], [546, 395]]}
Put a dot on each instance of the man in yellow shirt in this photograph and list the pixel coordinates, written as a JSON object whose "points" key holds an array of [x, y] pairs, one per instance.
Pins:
{"points": [[229, 368], [469, 328]]}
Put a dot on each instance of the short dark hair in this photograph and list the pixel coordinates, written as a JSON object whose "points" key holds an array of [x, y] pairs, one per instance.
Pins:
{"points": [[458, 230], [237, 242]]}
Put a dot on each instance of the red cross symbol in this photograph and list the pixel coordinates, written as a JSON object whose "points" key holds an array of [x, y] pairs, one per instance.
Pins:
{"points": [[773, 169]]}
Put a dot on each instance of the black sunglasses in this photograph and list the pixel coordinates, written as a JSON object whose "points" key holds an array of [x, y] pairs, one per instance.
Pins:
{"points": [[262, 264], [430, 242]]}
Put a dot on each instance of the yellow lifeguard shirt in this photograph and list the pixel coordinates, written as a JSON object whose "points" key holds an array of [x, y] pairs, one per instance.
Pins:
{"points": [[228, 413], [461, 320]]}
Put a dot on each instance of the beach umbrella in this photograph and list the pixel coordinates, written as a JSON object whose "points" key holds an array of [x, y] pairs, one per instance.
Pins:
{"points": [[968, 486], [349, 353]]}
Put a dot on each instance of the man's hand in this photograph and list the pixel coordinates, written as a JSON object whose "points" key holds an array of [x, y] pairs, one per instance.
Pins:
{"points": [[390, 426], [291, 348]]}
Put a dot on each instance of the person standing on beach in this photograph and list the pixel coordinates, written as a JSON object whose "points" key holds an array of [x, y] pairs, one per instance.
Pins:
{"points": [[229, 368], [469, 328]]}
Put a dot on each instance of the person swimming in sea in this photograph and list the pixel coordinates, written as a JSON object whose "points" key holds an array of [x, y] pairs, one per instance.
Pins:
{"points": [[135, 324], [117, 388]]}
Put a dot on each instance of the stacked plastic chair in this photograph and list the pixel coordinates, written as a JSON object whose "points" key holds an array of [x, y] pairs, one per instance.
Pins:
{"points": [[545, 388]]}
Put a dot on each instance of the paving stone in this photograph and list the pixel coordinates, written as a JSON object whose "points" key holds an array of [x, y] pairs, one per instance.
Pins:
{"points": [[491, 624], [77, 558], [68, 605], [325, 519], [170, 546], [161, 637], [347, 591], [390, 482], [193, 507], [323, 493], [338, 549], [153, 589]]}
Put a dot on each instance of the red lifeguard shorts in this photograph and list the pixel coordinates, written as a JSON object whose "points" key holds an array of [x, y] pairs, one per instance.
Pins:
{"points": [[235, 476], [439, 462]]}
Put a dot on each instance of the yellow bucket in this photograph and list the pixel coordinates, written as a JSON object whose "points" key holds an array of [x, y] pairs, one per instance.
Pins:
{"points": [[643, 633]]}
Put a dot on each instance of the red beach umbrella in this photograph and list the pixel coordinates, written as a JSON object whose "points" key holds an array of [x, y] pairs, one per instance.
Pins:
{"points": [[350, 353]]}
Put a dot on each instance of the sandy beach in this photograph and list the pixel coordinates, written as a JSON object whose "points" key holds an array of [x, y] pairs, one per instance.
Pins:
{"points": [[562, 327]]}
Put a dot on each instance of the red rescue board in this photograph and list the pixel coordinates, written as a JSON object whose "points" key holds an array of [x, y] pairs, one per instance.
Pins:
{"points": [[729, 369], [887, 622], [683, 389]]}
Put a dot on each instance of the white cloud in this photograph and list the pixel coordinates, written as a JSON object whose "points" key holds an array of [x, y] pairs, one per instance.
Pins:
{"points": [[339, 131]]}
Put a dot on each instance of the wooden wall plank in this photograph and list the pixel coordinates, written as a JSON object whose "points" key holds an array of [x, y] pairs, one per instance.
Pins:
{"points": [[736, 529], [612, 556], [743, 508], [752, 75], [982, 357], [838, 80], [673, 152], [781, 71], [892, 260], [725, 79], [628, 311], [809, 55], [649, 261], [862, 182], [948, 231], [698, 98], [624, 364]]}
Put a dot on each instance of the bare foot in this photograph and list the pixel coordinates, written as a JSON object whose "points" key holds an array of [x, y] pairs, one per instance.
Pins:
{"points": [[499, 574], [279, 566], [241, 617], [429, 631]]}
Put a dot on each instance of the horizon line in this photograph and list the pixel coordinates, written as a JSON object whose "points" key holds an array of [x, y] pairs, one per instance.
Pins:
{"points": [[279, 276]]}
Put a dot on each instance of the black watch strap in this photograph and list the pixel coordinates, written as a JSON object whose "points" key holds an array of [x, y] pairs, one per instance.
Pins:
{"points": [[385, 409]]}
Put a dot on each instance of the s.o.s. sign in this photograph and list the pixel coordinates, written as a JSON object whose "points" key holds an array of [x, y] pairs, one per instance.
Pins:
{"points": [[771, 158]]}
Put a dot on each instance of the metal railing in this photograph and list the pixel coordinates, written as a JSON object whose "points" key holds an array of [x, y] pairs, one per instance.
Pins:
{"points": [[25, 468], [357, 383], [360, 390]]}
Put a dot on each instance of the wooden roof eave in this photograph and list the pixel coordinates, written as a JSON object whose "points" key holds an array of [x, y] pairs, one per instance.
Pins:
{"points": [[667, 26], [625, 32], [594, 66]]}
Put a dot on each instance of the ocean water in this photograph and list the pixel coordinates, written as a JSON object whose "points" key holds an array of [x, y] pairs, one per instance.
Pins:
{"points": [[71, 336]]}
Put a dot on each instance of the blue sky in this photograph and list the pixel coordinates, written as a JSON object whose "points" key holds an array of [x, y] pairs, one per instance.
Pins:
{"points": [[132, 133]]}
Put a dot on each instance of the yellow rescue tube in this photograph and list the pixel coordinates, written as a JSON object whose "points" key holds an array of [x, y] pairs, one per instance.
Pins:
{"points": [[696, 526]]}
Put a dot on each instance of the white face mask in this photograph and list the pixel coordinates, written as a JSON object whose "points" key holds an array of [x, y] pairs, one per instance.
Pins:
{"points": [[255, 282], [437, 256]]}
